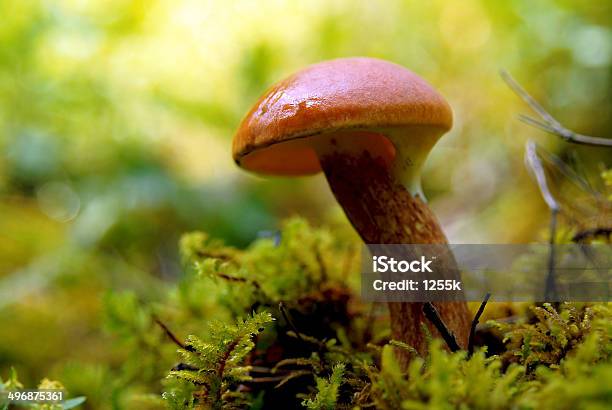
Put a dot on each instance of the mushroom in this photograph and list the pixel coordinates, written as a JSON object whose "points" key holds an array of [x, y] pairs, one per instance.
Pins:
{"points": [[369, 125]]}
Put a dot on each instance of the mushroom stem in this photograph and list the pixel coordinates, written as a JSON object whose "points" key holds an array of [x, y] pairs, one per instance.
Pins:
{"points": [[383, 211]]}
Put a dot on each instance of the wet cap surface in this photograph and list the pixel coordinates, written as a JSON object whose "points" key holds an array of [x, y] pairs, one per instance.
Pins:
{"points": [[336, 95]]}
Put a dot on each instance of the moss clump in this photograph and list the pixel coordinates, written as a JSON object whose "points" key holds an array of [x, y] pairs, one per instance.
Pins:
{"points": [[327, 349], [281, 325], [217, 365]]}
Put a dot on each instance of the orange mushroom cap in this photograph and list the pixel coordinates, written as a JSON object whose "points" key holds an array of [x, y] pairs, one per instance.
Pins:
{"points": [[348, 94]]}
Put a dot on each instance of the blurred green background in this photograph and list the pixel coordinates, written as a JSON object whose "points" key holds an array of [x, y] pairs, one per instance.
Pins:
{"points": [[116, 119]]}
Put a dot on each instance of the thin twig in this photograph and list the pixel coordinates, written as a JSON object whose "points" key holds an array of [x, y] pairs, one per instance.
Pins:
{"points": [[536, 123], [285, 313], [535, 165], [475, 323], [587, 234], [260, 369], [518, 89], [551, 285], [294, 361], [291, 376], [168, 332], [432, 314], [550, 124], [231, 278], [265, 379]]}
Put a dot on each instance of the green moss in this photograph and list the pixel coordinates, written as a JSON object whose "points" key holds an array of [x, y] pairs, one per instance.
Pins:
{"points": [[282, 324], [217, 364], [351, 362], [327, 390]]}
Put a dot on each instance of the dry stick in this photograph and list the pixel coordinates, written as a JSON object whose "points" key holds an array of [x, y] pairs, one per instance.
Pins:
{"points": [[231, 278], [592, 233], [550, 124], [283, 310], [535, 165], [212, 255], [291, 376], [533, 162], [265, 379], [475, 323], [168, 332], [434, 317]]}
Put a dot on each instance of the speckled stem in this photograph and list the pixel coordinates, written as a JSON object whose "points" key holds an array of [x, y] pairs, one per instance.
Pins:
{"points": [[383, 211]]}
